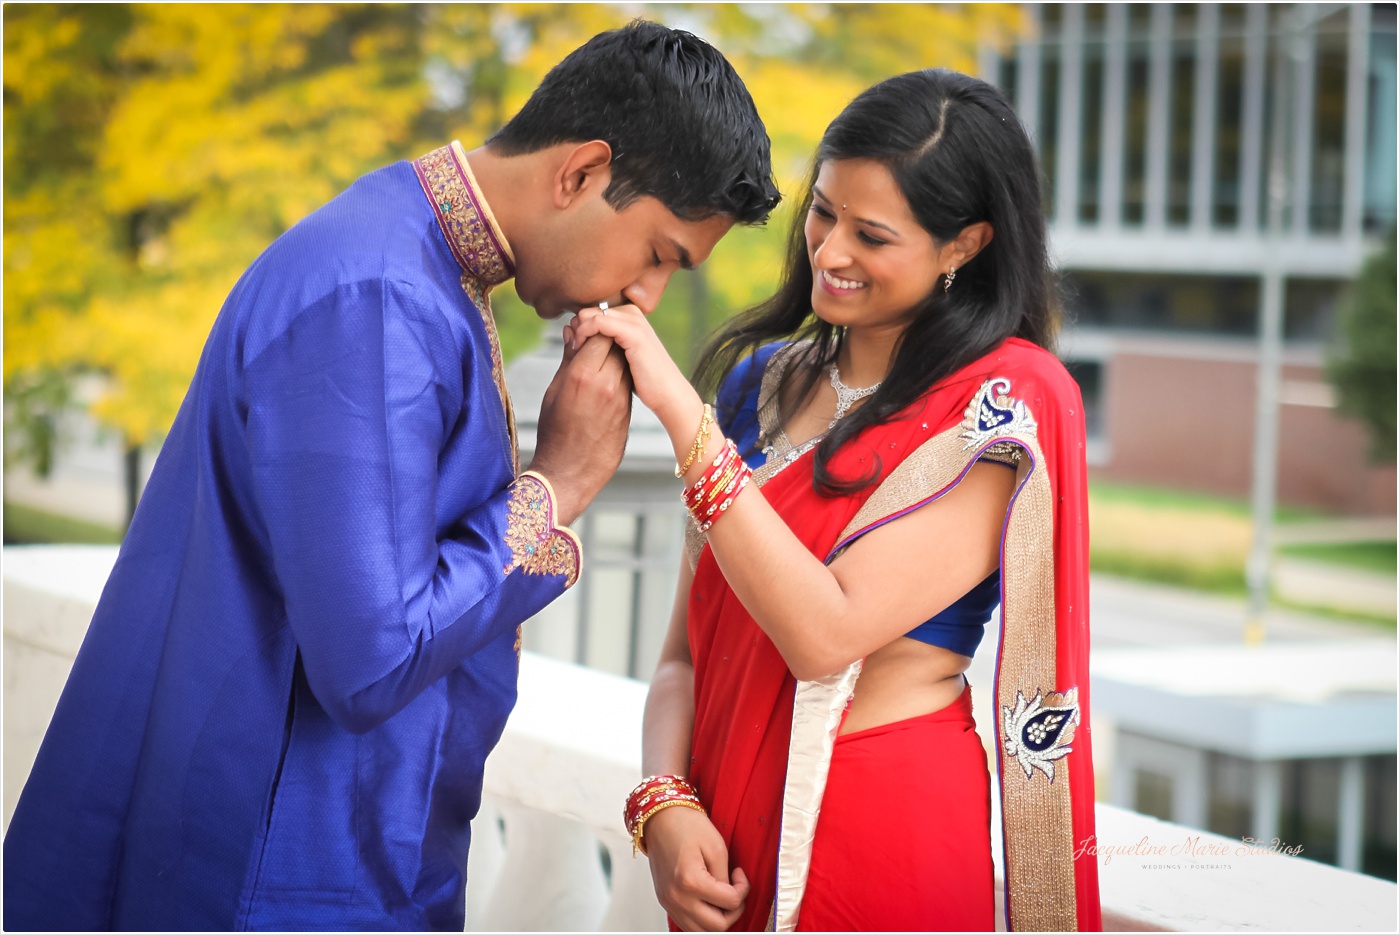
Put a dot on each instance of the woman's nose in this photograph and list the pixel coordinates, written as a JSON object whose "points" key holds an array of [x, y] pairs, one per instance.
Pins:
{"points": [[834, 250]]}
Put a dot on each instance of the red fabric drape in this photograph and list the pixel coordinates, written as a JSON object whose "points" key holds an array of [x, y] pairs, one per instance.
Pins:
{"points": [[743, 690]]}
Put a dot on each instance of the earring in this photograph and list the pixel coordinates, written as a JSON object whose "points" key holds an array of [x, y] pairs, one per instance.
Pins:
{"points": [[948, 278]]}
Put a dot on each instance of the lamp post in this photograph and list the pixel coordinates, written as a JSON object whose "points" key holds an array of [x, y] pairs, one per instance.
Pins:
{"points": [[1288, 56]]}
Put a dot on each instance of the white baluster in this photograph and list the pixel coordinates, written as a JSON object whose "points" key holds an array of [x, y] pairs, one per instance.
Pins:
{"points": [[552, 879], [633, 907], [484, 862]]}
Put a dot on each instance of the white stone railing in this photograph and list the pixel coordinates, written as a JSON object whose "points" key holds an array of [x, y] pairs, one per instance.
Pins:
{"points": [[555, 784]]}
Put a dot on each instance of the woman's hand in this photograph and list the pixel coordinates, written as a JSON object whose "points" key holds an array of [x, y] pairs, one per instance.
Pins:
{"points": [[656, 379], [690, 870]]}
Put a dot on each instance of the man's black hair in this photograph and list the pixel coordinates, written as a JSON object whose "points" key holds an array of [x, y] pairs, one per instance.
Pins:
{"points": [[682, 126]]}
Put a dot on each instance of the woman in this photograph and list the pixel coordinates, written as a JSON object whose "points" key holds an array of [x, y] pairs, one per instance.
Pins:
{"points": [[882, 526]]}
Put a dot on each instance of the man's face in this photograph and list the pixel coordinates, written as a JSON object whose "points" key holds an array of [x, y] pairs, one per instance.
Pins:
{"points": [[596, 254]]}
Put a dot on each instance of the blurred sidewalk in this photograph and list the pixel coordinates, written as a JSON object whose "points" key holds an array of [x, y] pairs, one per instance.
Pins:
{"points": [[1326, 584], [1126, 612], [1323, 584]]}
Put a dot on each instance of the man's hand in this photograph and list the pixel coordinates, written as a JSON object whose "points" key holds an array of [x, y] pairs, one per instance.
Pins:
{"points": [[583, 424], [690, 870]]}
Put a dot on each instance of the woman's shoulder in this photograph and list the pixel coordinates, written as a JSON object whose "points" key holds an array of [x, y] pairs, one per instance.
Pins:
{"points": [[1037, 370], [1016, 371], [1029, 368]]}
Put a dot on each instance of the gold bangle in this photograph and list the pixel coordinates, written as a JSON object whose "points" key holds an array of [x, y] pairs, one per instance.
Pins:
{"points": [[637, 843], [702, 438]]}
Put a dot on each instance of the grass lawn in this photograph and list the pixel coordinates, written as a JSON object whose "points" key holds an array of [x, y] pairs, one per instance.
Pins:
{"points": [[26, 525], [1368, 556], [1197, 540]]}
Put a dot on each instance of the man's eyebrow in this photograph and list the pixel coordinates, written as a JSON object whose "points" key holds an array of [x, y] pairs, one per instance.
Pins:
{"points": [[820, 194], [683, 254]]}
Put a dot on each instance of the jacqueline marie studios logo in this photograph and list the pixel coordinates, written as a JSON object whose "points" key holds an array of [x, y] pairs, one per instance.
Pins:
{"points": [[1193, 847]]}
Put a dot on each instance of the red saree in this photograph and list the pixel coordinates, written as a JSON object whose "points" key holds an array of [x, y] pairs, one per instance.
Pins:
{"points": [[763, 743]]}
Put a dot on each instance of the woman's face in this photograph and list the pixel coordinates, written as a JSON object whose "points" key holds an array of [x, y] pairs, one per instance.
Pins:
{"points": [[872, 262]]}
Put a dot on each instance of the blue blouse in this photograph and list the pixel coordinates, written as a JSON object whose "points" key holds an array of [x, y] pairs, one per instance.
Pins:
{"points": [[959, 626]]}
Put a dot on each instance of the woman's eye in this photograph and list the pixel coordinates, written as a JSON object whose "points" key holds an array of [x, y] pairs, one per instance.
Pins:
{"points": [[821, 212], [873, 241], [655, 259]]}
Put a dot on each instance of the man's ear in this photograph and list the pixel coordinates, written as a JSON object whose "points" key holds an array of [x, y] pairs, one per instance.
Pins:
{"points": [[585, 171]]}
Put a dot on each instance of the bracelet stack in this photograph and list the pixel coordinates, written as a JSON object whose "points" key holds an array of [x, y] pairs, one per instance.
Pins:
{"points": [[716, 489], [652, 795]]}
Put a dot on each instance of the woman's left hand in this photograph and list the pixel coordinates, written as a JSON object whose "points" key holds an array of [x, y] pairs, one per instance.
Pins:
{"points": [[656, 379]]}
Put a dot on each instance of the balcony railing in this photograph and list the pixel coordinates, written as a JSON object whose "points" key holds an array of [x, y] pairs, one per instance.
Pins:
{"points": [[548, 852]]}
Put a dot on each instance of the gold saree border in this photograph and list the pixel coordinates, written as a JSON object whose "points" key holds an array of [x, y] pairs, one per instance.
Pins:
{"points": [[817, 709], [480, 248], [1036, 717]]}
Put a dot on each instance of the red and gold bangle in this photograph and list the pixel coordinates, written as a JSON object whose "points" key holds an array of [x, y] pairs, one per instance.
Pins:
{"points": [[728, 454], [649, 788], [638, 842], [650, 796], [717, 487]]}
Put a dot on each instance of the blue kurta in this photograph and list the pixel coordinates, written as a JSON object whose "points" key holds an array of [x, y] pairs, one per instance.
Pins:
{"points": [[309, 643]]}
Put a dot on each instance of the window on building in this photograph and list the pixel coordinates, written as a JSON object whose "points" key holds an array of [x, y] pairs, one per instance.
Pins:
{"points": [[1311, 790], [1380, 123], [1378, 822], [1089, 375], [1310, 309], [1229, 118], [615, 618], [1231, 803], [1091, 120], [1152, 794], [1181, 122], [1047, 133], [1226, 305], [1008, 68], [1329, 123], [1135, 115]]}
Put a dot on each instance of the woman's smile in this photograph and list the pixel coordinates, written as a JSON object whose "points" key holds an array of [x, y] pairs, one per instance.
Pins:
{"points": [[839, 286]]}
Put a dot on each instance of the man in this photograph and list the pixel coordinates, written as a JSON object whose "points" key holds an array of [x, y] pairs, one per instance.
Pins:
{"points": [[309, 643]]}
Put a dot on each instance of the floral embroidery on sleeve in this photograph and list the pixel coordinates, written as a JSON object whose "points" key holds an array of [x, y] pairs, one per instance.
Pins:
{"points": [[536, 545]]}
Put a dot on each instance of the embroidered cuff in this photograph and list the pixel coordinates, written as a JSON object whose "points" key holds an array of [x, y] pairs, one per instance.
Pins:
{"points": [[536, 544]]}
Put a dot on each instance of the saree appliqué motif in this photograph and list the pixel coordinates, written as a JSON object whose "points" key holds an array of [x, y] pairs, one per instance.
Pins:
{"points": [[994, 412], [537, 546], [1039, 732]]}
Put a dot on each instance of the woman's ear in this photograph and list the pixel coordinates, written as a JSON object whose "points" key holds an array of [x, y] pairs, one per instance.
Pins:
{"points": [[970, 242]]}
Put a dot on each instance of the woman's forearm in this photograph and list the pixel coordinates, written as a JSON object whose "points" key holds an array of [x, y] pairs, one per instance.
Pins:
{"points": [[790, 593], [668, 720]]}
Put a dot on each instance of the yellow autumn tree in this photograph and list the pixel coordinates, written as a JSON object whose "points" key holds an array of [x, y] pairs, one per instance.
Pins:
{"points": [[152, 151]]}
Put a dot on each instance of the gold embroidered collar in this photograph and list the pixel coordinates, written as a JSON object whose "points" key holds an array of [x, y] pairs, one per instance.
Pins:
{"points": [[466, 220]]}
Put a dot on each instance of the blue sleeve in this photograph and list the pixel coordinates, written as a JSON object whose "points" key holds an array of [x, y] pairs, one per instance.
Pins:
{"points": [[736, 403], [347, 415]]}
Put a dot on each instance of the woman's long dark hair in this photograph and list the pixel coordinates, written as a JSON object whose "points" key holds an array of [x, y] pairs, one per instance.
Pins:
{"points": [[959, 155]]}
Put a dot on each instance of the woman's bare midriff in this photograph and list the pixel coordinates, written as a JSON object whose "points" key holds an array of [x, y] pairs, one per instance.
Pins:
{"points": [[905, 679]]}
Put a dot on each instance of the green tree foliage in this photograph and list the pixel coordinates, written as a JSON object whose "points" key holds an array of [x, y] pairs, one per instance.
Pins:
{"points": [[1363, 366], [153, 150]]}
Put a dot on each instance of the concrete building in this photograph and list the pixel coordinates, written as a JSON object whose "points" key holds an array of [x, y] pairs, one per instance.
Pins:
{"points": [[1156, 126]]}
